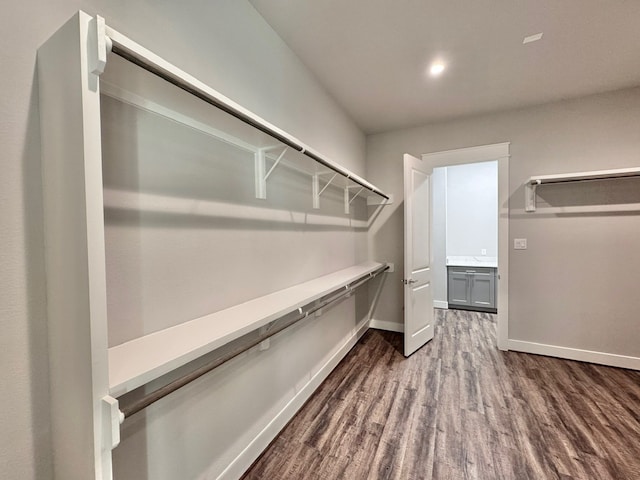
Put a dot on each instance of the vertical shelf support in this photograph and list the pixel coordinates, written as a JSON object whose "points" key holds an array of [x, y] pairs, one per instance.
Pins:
{"points": [[348, 199], [263, 331], [261, 184], [260, 158], [315, 187], [530, 196]]}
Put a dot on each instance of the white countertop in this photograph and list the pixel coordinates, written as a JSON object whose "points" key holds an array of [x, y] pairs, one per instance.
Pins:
{"points": [[479, 261]]}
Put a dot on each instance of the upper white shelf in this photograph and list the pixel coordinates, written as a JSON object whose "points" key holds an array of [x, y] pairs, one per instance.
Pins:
{"points": [[280, 145], [144, 359], [534, 181]]}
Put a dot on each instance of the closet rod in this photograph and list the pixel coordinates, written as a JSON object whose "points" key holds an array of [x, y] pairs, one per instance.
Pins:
{"points": [[130, 54], [171, 387]]}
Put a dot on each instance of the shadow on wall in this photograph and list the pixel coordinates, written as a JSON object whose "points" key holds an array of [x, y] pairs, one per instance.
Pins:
{"points": [[608, 192], [158, 171], [37, 357]]}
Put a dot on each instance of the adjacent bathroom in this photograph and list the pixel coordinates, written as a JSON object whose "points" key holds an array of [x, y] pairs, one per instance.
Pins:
{"points": [[465, 236]]}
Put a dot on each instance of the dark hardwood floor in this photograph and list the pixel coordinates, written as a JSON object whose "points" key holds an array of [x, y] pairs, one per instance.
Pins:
{"points": [[461, 409]]}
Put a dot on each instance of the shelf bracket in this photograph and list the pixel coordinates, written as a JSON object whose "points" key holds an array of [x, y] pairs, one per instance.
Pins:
{"points": [[266, 343], [315, 187], [348, 199], [261, 174], [374, 202], [112, 418], [530, 196]]}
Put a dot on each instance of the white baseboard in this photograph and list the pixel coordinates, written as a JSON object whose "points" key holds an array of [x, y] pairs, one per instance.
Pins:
{"points": [[601, 358], [440, 304], [385, 325], [252, 451]]}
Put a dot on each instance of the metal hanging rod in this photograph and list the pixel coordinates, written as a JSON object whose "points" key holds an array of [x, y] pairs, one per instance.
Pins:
{"points": [[171, 387], [533, 182], [134, 53]]}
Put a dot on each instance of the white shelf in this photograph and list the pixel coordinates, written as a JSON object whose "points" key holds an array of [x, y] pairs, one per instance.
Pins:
{"points": [[579, 176], [144, 359], [533, 182]]}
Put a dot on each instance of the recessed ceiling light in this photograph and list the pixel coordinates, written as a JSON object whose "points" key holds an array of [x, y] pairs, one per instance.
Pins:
{"points": [[436, 69], [532, 38]]}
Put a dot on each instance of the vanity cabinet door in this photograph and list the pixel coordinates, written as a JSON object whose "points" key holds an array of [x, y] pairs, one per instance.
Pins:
{"points": [[459, 284], [482, 289]]}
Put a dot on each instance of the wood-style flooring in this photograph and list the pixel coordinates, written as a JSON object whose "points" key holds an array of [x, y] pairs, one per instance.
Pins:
{"points": [[461, 409]]}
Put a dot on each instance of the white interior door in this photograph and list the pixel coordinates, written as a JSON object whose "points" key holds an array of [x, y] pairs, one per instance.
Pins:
{"points": [[418, 296]]}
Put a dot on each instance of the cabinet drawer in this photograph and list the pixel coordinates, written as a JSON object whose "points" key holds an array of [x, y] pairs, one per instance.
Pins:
{"points": [[458, 288], [476, 270]]}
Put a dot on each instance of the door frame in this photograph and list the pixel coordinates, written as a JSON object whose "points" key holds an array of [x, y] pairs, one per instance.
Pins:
{"points": [[486, 153]]}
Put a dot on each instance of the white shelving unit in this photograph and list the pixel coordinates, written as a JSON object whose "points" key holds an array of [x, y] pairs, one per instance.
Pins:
{"points": [[268, 153], [531, 184], [87, 375]]}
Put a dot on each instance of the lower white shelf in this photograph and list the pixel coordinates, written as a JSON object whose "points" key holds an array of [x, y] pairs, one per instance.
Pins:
{"points": [[139, 361]]}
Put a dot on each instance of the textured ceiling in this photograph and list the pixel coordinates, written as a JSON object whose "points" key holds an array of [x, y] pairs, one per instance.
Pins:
{"points": [[372, 55]]}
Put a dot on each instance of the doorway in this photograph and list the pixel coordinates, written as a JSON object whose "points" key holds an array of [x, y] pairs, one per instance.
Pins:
{"points": [[472, 155], [465, 236]]}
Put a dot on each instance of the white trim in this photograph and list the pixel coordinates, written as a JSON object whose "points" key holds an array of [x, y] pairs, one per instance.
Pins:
{"points": [[482, 153], [485, 153], [440, 304], [262, 440], [502, 325], [602, 358], [386, 325]]}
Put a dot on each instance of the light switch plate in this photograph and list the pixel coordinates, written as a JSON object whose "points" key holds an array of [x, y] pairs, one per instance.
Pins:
{"points": [[519, 243]]}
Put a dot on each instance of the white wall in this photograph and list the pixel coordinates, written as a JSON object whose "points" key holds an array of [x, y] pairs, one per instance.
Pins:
{"points": [[472, 210], [575, 285], [229, 46]]}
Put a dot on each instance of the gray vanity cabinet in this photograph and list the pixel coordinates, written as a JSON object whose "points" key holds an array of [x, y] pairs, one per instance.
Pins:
{"points": [[472, 288]]}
